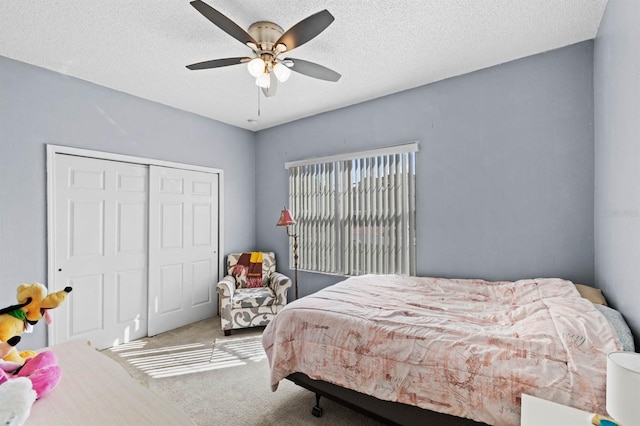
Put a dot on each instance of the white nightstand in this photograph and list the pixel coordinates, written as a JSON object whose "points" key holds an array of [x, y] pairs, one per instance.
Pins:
{"points": [[539, 412]]}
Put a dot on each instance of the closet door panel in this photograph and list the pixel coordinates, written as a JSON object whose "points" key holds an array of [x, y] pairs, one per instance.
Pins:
{"points": [[101, 234], [183, 247]]}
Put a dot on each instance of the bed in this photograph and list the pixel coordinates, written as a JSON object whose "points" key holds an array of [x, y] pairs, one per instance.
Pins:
{"points": [[457, 351]]}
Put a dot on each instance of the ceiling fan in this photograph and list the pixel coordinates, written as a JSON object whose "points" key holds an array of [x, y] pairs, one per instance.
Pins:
{"points": [[269, 44]]}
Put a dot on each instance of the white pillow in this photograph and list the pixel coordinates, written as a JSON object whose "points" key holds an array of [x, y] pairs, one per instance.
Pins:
{"points": [[619, 325]]}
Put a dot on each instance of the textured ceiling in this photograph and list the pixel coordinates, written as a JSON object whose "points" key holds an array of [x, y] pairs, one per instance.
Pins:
{"points": [[379, 46]]}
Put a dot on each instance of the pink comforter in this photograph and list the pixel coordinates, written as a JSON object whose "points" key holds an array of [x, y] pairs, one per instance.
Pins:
{"points": [[464, 347]]}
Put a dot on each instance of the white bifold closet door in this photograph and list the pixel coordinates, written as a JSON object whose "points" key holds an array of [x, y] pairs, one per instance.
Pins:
{"points": [[139, 246], [183, 241], [101, 250]]}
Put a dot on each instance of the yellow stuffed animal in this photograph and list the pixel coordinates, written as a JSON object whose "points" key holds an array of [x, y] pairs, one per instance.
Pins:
{"points": [[33, 303]]}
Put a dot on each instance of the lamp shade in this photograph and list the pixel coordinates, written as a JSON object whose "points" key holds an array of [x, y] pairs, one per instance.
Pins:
{"points": [[623, 387], [264, 80], [285, 218], [282, 72], [256, 66]]}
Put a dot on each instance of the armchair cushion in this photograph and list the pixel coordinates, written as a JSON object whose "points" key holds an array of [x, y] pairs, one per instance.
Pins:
{"points": [[253, 298]]}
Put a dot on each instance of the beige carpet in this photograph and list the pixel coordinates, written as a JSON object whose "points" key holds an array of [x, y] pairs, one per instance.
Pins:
{"points": [[219, 380]]}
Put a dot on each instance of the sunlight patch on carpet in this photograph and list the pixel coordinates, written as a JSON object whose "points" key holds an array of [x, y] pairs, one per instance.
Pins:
{"points": [[241, 348], [138, 344], [179, 360], [163, 349]]}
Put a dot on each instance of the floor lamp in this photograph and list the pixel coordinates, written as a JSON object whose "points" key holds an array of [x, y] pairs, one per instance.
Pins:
{"points": [[286, 220]]}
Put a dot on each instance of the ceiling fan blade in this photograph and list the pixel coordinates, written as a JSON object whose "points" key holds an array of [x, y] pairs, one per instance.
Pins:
{"points": [[305, 30], [224, 23], [217, 63], [273, 86], [313, 70]]}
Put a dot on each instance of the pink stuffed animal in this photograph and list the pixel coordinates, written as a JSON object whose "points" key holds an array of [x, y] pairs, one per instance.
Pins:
{"points": [[43, 371]]}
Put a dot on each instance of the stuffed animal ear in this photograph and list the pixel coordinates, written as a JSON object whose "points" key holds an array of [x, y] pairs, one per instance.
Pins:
{"points": [[15, 307]]}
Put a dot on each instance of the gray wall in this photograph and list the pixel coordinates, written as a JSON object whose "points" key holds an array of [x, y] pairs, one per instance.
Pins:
{"points": [[39, 107], [617, 153], [505, 168], [505, 171]]}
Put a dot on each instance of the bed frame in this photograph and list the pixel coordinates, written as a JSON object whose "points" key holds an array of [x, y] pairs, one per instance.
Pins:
{"points": [[387, 412]]}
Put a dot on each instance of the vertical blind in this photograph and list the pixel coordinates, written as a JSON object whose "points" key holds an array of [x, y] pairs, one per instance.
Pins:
{"points": [[356, 213]]}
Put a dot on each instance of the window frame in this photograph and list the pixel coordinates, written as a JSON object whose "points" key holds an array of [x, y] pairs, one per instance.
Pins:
{"points": [[320, 189]]}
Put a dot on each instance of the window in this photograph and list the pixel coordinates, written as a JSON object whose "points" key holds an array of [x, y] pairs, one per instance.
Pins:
{"points": [[356, 213]]}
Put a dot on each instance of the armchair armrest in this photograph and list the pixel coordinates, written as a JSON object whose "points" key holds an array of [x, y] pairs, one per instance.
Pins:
{"points": [[280, 283], [226, 286]]}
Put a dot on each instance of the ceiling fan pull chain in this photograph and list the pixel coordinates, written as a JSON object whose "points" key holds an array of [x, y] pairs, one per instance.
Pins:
{"points": [[258, 100]]}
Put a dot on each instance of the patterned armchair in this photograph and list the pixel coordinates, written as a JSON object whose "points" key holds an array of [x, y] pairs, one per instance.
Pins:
{"points": [[252, 292]]}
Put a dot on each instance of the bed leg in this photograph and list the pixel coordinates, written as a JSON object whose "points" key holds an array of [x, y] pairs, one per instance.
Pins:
{"points": [[317, 409]]}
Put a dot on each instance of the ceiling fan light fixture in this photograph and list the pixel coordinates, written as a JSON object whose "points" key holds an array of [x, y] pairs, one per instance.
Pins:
{"points": [[282, 72], [256, 67], [263, 80], [268, 41]]}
